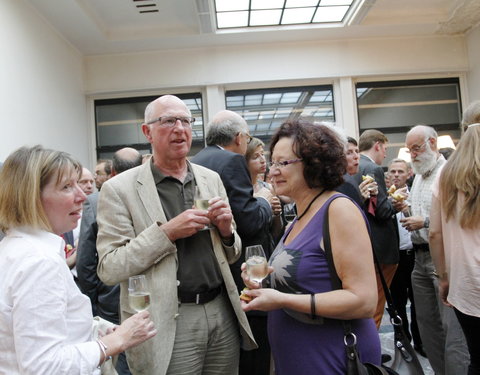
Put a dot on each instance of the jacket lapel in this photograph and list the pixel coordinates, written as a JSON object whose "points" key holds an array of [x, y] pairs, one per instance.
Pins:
{"points": [[147, 192]]}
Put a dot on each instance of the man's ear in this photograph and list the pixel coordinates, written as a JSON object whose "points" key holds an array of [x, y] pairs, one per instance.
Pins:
{"points": [[433, 143], [146, 132], [238, 139]]}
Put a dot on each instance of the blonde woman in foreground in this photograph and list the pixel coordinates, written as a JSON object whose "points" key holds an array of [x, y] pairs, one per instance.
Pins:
{"points": [[45, 321]]}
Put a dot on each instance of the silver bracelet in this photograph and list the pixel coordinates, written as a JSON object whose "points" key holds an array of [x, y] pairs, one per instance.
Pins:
{"points": [[103, 349]]}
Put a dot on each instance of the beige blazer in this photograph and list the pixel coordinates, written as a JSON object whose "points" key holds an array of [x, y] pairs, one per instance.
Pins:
{"points": [[130, 242]]}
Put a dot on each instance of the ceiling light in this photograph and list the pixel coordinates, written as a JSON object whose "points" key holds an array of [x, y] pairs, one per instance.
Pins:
{"points": [[445, 141], [404, 154]]}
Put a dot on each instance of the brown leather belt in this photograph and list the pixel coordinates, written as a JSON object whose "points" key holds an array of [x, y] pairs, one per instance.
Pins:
{"points": [[199, 298]]}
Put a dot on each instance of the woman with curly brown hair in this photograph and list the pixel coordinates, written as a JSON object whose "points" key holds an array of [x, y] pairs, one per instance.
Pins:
{"points": [[304, 321]]}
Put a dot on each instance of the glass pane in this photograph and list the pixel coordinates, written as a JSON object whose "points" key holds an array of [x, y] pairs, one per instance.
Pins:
{"points": [[395, 107], [119, 123], [266, 109], [297, 15], [330, 14], [265, 17]]}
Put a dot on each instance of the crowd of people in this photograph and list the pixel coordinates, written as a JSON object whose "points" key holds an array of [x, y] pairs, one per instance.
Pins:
{"points": [[73, 239]]}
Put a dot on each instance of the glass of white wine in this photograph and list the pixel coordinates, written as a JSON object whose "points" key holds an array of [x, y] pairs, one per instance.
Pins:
{"points": [[138, 293], [257, 268], [200, 203]]}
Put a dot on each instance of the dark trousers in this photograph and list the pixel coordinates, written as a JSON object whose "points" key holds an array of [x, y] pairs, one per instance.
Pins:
{"points": [[401, 291], [471, 329], [257, 361]]}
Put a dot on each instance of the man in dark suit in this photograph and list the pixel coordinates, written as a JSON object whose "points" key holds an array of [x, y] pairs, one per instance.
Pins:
{"points": [[227, 139], [104, 298], [379, 210]]}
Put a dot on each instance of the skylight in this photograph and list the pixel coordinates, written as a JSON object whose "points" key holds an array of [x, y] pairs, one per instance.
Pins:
{"points": [[254, 13]]}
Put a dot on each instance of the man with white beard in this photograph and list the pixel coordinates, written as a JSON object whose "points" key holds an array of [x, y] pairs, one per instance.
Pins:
{"points": [[440, 331]]}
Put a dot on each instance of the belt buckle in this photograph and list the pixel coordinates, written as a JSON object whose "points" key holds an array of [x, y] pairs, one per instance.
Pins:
{"points": [[197, 299]]}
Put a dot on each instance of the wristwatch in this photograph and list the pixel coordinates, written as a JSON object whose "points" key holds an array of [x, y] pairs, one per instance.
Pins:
{"points": [[426, 222]]}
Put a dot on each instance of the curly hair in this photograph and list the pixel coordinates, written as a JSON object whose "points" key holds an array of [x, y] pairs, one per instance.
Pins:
{"points": [[321, 150]]}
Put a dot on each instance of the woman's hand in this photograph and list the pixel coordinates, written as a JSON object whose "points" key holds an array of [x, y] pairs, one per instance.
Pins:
{"points": [[264, 299], [276, 205], [246, 280], [133, 331], [443, 287]]}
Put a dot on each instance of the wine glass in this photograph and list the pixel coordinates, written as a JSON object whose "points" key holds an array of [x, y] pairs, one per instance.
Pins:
{"points": [[138, 293], [289, 212], [200, 203], [257, 268]]}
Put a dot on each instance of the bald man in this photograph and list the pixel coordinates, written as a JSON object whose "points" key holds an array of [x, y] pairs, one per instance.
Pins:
{"points": [[87, 182]]}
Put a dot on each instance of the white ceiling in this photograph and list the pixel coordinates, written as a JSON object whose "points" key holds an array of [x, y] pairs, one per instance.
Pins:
{"points": [[116, 26]]}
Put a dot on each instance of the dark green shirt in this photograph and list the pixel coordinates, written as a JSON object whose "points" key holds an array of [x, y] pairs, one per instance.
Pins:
{"points": [[198, 269]]}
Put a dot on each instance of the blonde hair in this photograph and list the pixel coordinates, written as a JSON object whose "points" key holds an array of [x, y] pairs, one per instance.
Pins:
{"points": [[23, 177], [461, 174], [252, 146]]}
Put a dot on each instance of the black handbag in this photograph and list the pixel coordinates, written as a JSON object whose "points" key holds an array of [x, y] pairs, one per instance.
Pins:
{"points": [[405, 361]]}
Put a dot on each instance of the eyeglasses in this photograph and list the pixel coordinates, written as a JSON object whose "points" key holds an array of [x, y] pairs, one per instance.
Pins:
{"points": [[416, 148], [282, 164], [171, 121], [249, 137]]}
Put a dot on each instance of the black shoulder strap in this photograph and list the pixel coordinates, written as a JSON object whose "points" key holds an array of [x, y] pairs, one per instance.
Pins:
{"points": [[335, 280]]}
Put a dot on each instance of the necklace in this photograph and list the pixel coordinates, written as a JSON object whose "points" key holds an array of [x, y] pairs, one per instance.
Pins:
{"points": [[310, 204]]}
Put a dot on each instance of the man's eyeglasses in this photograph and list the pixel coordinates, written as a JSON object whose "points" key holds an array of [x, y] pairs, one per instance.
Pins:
{"points": [[249, 137], [416, 148], [170, 121], [282, 164]]}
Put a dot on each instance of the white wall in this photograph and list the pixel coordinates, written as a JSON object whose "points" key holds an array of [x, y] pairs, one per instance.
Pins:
{"points": [[263, 65], [273, 62], [42, 96], [473, 76]]}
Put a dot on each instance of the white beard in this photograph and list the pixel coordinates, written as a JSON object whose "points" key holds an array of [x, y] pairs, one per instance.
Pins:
{"points": [[425, 162]]}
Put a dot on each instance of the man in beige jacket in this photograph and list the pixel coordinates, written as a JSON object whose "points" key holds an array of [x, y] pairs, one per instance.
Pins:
{"points": [[147, 226]]}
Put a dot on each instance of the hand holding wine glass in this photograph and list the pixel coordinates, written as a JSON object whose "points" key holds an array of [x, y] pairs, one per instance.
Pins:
{"points": [[257, 268], [138, 293]]}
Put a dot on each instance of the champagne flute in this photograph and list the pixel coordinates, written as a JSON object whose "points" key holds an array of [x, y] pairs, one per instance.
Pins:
{"points": [[257, 268], [138, 293], [200, 204]]}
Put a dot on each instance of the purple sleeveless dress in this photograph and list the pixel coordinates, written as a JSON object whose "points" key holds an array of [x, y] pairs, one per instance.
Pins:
{"points": [[311, 349]]}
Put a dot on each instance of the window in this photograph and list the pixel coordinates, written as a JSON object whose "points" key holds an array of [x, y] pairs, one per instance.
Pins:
{"points": [[395, 107], [266, 109], [119, 124], [251, 13]]}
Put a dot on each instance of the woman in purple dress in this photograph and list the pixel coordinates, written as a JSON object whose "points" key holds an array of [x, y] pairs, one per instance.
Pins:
{"points": [[305, 315]]}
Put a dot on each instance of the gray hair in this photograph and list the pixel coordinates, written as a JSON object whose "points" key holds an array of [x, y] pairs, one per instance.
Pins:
{"points": [[428, 131], [224, 127]]}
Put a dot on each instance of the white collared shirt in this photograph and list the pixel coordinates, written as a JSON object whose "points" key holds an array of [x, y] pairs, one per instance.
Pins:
{"points": [[421, 199], [45, 321]]}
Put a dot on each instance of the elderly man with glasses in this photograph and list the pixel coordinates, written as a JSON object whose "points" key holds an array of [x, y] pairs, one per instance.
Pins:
{"points": [[440, 331], [227, 139], [147, 226]]}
